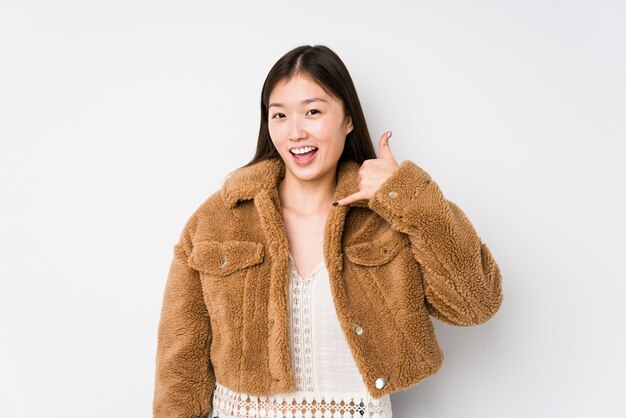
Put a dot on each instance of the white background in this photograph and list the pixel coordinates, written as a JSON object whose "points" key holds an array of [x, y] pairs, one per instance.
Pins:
{"points": [[118, 118]]}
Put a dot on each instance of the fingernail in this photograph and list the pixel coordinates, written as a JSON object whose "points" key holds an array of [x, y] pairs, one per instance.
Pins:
{"points": [[389, 135], [335, 203]]}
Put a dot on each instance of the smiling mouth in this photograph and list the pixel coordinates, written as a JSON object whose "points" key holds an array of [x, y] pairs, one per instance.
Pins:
{"points": [[304, 158], [303, 153]]}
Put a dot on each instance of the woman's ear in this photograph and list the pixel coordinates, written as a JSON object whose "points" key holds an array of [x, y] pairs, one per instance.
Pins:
{"points": [[349, 126]]}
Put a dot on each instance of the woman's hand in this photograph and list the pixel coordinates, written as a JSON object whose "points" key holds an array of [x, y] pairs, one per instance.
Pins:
{"points": [[373, 172]]}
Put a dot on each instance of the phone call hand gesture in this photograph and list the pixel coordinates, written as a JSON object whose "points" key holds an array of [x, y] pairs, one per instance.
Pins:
{"points": [[373, 172]]}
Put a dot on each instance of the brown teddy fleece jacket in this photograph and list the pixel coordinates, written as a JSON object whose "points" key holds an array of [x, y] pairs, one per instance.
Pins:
{"points": [[393, 261]]}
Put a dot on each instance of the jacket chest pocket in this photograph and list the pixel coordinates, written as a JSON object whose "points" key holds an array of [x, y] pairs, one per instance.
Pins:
{"points": [[224, 266], [223, 258], [376, 252]]}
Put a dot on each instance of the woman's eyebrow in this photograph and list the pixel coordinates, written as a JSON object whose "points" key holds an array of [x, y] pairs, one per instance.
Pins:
{"points": [[307, 101]]}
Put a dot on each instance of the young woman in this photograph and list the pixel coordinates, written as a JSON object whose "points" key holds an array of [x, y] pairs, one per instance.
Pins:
{"points": [[304, 287]]}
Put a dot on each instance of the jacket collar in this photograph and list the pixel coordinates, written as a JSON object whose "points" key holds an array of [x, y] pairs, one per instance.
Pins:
{"points": [[246, 182]]}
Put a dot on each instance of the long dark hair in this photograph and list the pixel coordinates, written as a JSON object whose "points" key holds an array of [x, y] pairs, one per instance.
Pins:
{"points": [[323, 66]]}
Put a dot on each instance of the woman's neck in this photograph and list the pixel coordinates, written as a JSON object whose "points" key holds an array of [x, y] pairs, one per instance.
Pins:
{"points": [[307, 197]]}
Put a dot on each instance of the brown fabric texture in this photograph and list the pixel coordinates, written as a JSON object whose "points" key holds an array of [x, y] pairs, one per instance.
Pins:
{"points": [[394, 261]]}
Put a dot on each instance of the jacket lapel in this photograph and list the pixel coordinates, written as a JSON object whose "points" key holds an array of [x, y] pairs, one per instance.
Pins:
{"points": [[246, 182]]}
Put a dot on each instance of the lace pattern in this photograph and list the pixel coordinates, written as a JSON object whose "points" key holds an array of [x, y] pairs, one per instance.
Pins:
{"points": [[301, 327], [230, 404]]}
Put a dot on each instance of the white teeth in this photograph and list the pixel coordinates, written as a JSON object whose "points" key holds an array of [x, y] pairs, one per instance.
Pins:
{"points": [[301, 150]]}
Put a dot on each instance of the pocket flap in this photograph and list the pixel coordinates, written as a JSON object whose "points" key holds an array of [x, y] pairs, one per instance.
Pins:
{"points": [[376, 252], [220, 258]]}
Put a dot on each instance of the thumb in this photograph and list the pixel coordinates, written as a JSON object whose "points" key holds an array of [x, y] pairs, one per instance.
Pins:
{"points": [[383, 145]]}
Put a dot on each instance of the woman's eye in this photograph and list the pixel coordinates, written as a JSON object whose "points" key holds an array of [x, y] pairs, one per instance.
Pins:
{"points": [[280, 115]]}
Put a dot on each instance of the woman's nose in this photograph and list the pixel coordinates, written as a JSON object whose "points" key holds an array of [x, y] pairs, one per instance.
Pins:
{"points": [[296, 129]]}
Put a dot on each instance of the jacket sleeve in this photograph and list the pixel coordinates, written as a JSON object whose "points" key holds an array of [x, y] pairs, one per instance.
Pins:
{"points": [[462, 281], [184, 377]]}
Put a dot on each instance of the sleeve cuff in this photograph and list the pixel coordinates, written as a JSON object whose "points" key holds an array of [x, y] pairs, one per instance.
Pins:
{"points": [[401, 189]]}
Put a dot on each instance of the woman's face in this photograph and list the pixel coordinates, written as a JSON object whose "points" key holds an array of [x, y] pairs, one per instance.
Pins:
{"points": [[301, 114]]}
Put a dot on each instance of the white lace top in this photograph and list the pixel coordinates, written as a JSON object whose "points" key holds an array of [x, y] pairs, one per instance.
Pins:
{"points": [[328, 383]]}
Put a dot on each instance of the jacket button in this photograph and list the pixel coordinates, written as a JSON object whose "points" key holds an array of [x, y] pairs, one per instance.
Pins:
{"points": [[392, 194], [381, 383], [222, 261], [358, 329]]}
